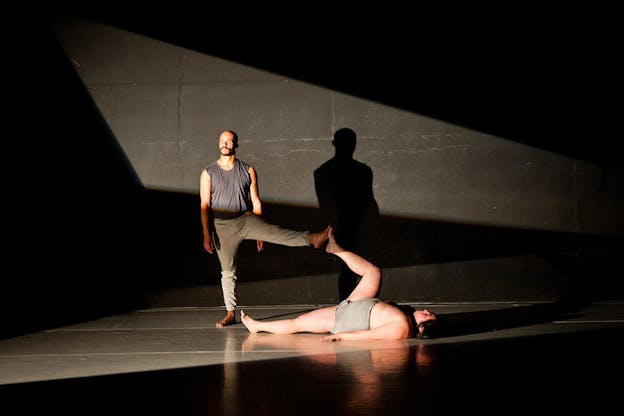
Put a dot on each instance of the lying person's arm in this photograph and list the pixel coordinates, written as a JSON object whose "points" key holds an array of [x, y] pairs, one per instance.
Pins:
{"points": [[398, 329]]}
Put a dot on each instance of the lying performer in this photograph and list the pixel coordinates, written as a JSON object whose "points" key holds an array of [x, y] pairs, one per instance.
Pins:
{"points": [[362, 316]]}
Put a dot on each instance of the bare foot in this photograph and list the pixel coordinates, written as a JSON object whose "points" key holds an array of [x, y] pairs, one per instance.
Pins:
{"points": [[332, 245], [317, 239], [229, 319], [249, 322]]}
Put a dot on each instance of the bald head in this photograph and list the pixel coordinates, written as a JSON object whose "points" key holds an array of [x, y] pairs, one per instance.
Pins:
{"points": [[228, 142]]}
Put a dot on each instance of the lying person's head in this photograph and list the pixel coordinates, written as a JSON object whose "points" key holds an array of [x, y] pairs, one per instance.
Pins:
{"points": [[427, 323]]}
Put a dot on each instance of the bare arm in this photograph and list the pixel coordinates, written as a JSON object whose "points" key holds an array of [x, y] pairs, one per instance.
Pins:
{"points": [[204, 194], [255, 200], [255, 194], [397, 329]]}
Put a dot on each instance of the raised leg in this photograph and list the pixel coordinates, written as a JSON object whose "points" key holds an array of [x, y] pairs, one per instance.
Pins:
{"points": [[369, 284]]}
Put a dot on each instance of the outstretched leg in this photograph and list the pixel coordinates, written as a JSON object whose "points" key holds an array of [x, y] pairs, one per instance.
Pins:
{"points": [[317, 321], [255, 228], [371, 275]]}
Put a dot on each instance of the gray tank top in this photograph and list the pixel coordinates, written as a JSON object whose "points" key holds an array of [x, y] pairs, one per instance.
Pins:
{"points": [[354, 316], [230, 190]]}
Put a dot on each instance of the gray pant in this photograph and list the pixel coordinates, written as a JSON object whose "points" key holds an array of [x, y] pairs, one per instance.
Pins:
{"points": [[229, 235]]}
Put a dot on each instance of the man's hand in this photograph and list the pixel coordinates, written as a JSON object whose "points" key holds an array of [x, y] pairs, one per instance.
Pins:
{"points": [[260, 244], [208, 246], [331, 338]]}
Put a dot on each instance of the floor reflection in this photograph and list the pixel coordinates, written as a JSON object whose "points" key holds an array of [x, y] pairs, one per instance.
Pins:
{"points": [[560, 367], [364, 378]]}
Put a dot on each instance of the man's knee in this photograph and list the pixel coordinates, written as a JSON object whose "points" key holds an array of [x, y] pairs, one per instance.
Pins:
{"points": [[228, 274]]}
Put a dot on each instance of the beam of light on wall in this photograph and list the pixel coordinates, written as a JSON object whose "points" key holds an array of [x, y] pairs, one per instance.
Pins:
{"points": [[166, 106]]}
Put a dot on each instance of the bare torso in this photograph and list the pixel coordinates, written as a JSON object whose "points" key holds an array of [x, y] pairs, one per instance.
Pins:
{"points": [[384, 313]]}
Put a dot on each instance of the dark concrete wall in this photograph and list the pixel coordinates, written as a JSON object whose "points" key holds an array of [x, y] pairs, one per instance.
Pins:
{"points": [[463, 207]]}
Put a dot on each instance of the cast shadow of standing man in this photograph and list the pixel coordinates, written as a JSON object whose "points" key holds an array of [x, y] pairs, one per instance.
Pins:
{"points": [[344, 189]]}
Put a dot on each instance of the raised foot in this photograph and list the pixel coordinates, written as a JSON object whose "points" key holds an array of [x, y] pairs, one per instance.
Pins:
{"points": [[332, 245], [317, 239]]}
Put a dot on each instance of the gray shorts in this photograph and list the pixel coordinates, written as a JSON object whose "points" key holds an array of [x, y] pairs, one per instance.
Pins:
{"points": [[354, 316]]}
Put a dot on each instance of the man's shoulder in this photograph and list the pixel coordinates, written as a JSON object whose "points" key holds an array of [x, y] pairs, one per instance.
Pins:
{"points": [[210, 166], [244, 164]]}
